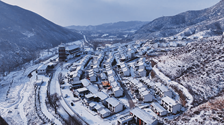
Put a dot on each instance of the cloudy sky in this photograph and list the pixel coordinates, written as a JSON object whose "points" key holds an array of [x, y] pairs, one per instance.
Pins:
{"points": [[93, 12]]}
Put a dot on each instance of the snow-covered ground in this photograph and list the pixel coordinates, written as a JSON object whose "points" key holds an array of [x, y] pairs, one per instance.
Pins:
{"points": [[43, 95], [170, 82]]}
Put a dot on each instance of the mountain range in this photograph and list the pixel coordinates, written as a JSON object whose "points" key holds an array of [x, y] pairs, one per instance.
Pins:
{"points": [[23, 32], [110, 27], [206, 22]]}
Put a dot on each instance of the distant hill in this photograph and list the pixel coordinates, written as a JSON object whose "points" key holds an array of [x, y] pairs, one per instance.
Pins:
{"points": [[23, 32], [111, 27], [204, 22]]}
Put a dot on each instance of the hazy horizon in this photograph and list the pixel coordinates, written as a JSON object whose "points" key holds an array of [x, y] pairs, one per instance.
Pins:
{"points": [[95, 12]]}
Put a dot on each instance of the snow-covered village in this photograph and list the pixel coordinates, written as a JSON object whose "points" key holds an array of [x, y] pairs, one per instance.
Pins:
{"points": [[168, 71]]}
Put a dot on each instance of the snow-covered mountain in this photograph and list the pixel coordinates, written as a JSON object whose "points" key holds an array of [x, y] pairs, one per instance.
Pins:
{"points": [[111, 27], [23, 32], [206, 22], [199, 67]]}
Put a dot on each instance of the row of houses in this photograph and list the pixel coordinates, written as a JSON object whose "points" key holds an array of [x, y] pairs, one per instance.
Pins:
{"points": [[76, 75], [98, 101], [115, 85], [97, 63], [111, 61], [159, 88], [145, 94]]}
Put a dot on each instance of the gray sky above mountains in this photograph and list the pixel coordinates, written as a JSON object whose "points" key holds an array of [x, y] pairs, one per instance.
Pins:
{"points": [[93, 12]]}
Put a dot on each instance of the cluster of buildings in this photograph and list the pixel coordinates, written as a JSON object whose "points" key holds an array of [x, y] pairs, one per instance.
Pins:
{"points": [[97, 100], [96, 80]]}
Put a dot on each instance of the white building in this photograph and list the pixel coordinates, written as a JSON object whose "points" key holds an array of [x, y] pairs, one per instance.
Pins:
{"points": [[82, 91], [117, 90], [85, 82], [125, 69], [92, 76], [104, 112], [142, 72], [170, 105], [93, 89], [103, 76], [42, 69], [98, 107], [162, 90], [77, 75], [158, 109], [114, 105], [142, 117], [147, 82], [102, 96], [146, 96]]}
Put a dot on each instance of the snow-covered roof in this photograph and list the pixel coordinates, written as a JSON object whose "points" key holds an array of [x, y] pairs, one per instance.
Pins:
{"points": [[110, 72], [158, 107], [98, 106], [145, 92], [92, 75], [111, 79], [114, 84], [144, 78], [104, 111], [162, 87], [143, 115], [92, 104], [141, 70], [42, 67], [169, 101], [93, 89], [85, 82], [125, 69], [139, 85], [124, 118], [72, 47], [142, 89], [113, 101], [134, 81], [89, 96], [81, 90], [117, 88], [103, 75], [150, 83], [101, 95], [52, 64], [39, 81]]}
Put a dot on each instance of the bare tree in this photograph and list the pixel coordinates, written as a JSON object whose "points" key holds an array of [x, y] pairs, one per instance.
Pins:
{"points": [[54, 99], [60, 78]]}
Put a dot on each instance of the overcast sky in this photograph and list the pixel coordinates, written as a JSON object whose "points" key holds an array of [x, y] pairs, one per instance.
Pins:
{"points": [[92, 12]]}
